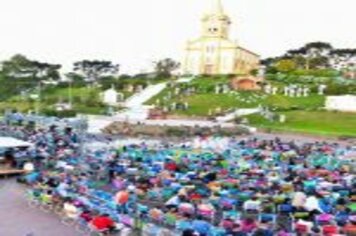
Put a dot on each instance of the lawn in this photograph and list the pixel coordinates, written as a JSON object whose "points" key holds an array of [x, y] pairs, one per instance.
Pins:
{"points": [[313, 122], [85, 100], [20, 106], [283, 102], [201, 103], [205, 100]]}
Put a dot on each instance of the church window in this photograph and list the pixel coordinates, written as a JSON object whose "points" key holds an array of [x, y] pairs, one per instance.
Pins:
{"points": [[210, 49], [213, 30]]}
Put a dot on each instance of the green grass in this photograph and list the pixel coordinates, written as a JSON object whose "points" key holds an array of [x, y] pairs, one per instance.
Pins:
{"points": [[22, 106], [313, 122], [201, 104], [206, 100], [84, 99], [283, 102], [81, 97]]}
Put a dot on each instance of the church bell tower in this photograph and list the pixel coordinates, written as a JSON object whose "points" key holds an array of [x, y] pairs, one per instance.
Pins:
{"points": [[216, 23], [213, 52]]}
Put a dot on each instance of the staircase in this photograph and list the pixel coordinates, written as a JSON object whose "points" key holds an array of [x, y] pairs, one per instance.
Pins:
{"points": [[97, 123], [138, 113], [139, 99], [135, 108], [238, 112]]}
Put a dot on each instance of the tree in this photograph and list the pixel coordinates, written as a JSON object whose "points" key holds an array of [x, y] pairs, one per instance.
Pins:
{"points": [[20, 66], [315, 56], [45, 70], [343, 58], [21, 74], [312, 55], [319, 46], [95, 70], [75, 79], [285, 65], [165, 67]]}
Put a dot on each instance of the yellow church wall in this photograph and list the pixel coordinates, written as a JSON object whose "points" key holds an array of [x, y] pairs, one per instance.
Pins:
{"points": [[213, 52]]}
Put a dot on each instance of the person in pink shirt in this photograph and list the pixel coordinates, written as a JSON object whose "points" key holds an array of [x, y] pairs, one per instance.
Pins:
{"points": [[248, 225]]}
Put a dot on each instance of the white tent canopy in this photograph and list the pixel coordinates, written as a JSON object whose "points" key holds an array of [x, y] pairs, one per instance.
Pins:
{"points": [[7, 142]]}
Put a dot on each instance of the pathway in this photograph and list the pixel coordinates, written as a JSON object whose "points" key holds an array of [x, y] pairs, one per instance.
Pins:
{"points": [[139, 99], [238, 112], [136, 111], [17, 219], [136, 108]]}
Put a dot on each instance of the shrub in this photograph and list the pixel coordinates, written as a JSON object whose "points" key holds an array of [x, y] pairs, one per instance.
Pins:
{"points": [[178, 132], [60, 114]]}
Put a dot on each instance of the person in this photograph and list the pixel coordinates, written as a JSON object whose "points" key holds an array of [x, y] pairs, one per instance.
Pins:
{"points": [[70, 210], [189, 232], [86, 215], [62, 189], [248, 225], [121, 199], [299, 199], [103, 223], [312, 204], [175, 201], [28, 167], [262, 232], [201, 226], [237, 230], [228, 224], [252, 205], [315, 231], [350, 228], [329, 229], [303, 226]]}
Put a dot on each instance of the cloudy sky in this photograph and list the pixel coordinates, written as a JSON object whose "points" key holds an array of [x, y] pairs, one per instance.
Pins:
{"points": [[136, 32]]}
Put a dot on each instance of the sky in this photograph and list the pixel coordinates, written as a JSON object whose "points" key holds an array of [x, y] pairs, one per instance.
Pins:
{"points": [[134, 33]]}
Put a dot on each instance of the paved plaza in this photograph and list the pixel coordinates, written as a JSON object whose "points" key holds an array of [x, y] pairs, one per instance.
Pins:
{"points": [[17, 219]]}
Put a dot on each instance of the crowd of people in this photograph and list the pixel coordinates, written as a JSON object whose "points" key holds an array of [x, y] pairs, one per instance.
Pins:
{"points": [[241, 187]]}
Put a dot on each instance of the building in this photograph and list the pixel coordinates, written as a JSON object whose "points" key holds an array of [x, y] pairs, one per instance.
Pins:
{"points": [[111, 97], [248, 82], [345, 103], [213, 53]]}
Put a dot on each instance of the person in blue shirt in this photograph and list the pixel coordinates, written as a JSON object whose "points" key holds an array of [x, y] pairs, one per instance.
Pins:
{"points": [[201, 226]]}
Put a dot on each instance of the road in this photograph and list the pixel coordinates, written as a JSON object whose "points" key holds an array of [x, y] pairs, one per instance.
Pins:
{"points": [[17, 219]]}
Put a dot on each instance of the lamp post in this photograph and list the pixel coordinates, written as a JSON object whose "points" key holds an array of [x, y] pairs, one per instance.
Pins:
{"points": [[38, 98], [70, 94]]}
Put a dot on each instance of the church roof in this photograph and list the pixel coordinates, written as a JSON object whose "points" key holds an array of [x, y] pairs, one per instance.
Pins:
{"points": [[249, 51]]}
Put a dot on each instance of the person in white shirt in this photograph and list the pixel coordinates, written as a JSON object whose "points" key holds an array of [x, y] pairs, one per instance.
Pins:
{"points": [[29, 167], [299, 199], [252, 205], [173, 201], [70, 210], [312, 204]]}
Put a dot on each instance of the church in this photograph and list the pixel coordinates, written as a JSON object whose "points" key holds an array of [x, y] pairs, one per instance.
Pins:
{"points": [[213, 53]]}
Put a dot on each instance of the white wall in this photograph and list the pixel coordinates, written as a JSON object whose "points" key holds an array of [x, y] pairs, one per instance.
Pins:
{"points": [[341, 103]]}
